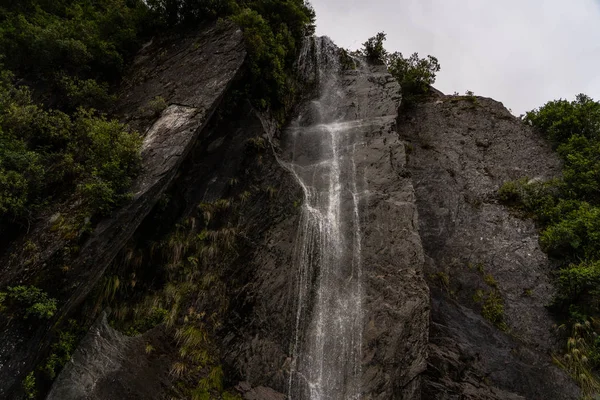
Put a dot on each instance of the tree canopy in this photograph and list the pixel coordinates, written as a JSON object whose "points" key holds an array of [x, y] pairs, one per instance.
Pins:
{"points": [[415, 74], [59, 61]]}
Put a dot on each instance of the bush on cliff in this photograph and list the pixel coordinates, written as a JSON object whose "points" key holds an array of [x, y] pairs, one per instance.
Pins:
{"points": [[568, 212], [46, 154], [374, 50], [415, 75], [273, 30]]}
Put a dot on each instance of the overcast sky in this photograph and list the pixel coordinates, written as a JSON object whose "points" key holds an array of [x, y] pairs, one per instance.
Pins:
{"points": [[520, 52]]}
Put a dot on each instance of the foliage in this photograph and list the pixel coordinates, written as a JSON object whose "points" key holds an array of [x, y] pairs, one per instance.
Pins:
{"points": [[274, 31], [28, 301], [61, 350], [579, 283], [582, 356], [29, 386], [373, 49], [581, 169], [490, 299], [154, 317], [46, 153], [575, 235], [493, 309], [527, 195], [64, 56], [560, 120], [346, 60], [155, 106], [415, 75], [71, 49], [568, 212]]}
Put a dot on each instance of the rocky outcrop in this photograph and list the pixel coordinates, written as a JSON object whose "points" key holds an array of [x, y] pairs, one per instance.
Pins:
{"points": [[220, 155], [397, 308], [462, 150], [181, 82], [110, 365]]}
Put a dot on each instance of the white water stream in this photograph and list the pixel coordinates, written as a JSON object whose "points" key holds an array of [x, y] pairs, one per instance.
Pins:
{"points": [[320, 151]]}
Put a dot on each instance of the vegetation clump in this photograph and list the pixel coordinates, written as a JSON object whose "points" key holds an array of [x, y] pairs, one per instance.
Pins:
{"points": [[415, 74], [45, 154], [27, 301], [490, 299], [61, 350], [568, 213], [29, 386], [374, 50]]}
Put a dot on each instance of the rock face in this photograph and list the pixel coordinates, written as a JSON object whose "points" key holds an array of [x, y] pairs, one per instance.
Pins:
{"points": [[110, 365], [258, 337], [463, 149], [417, 197], [211, 61], [356, 320]]}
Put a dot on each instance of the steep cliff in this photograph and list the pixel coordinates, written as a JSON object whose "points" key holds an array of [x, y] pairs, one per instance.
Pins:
{"points": [[266, 328], [358, 251], [491, 335]]}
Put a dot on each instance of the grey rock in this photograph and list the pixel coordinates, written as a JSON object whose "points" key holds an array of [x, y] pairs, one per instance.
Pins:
{"points": [[259, 393], [462, 152], [109, 365], [396, 304]]}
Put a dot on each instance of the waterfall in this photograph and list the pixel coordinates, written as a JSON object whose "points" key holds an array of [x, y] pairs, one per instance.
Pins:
{"points": [[320, 150]]}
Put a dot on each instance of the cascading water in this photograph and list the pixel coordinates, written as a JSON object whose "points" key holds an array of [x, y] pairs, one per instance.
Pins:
{"points": [[319, 149]]}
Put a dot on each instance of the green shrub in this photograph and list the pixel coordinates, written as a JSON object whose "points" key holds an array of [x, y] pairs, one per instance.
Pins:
{"points": [[29, 386], [493, 309], [579, 285], [373, 49], [273, 32], [156, 106], [86, 93], [415, 75], [346, 61], [560, 120], [46, 154], [58, 42], [575, 235], [535, 198], [28, 301], [581, 169], [148, 321], [62, 349]]}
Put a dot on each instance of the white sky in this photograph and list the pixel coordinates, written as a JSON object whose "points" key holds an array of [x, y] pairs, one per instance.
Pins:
{"points": [[520, 52]]}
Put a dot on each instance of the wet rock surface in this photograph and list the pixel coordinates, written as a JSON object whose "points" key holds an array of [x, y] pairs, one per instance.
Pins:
{"points": [[396, 296], [462, 150]]}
